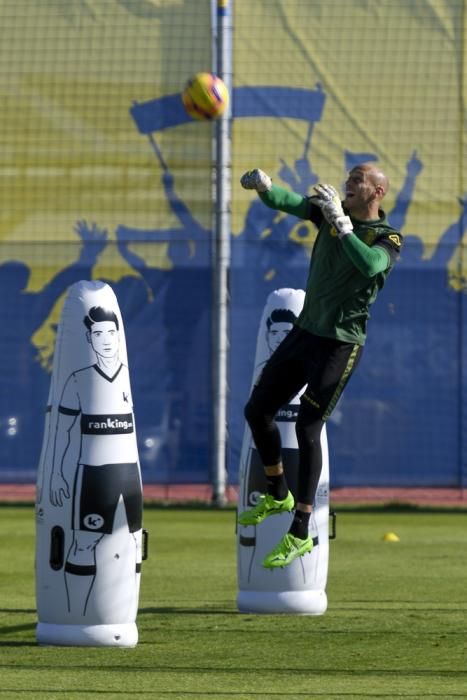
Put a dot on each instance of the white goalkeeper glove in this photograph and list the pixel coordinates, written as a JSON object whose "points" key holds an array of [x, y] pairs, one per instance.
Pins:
{"points": [[328, 200], [256, 180]]}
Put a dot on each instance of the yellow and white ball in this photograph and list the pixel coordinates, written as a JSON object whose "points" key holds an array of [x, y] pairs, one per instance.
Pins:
{"points": [[205, 96]]}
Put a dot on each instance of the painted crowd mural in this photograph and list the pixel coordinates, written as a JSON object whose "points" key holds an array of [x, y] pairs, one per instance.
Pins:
{"points": [[106, 178]]}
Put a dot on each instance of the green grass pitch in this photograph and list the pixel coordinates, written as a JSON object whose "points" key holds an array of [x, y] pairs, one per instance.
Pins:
{"points": [[396, 625]]}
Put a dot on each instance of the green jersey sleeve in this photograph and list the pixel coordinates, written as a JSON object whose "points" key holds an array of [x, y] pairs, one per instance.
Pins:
{"points": [[286, 201], [368, 260]]}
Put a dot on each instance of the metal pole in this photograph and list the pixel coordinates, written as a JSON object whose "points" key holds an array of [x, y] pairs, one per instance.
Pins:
{"points": [[221, 258]]}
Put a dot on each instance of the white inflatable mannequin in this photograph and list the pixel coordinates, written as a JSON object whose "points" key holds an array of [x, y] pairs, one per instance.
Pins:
{"points": [[299, 588], [89, 494]]}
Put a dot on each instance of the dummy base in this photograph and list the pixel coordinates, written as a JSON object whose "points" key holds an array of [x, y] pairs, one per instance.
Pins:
{"points": [[123, 635], [291, 602]]}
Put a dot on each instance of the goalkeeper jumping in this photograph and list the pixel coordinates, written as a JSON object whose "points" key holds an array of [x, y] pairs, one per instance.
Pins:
{"points": [[354, 252]]}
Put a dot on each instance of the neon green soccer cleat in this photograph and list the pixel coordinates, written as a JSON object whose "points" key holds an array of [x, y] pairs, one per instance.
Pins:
{"points": [[266, 506], [288, 549]]}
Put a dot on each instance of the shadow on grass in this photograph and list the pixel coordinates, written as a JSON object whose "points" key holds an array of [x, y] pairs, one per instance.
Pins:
{"points": [[41, 692], [326, 672], [13, 629], [187, 611]]}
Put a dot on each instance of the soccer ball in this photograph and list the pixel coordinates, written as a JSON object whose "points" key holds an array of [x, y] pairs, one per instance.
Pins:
{"points": [[205, 96]]}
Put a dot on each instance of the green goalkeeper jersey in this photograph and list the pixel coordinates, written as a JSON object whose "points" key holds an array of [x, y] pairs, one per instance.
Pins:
{"points": [[345, 275]]}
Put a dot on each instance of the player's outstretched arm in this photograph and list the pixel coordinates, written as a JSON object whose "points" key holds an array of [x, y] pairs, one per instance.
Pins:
{"points": [[274, 196]]}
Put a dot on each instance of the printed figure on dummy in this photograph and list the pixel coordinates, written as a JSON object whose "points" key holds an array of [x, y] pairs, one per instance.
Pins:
{"points": [[90, 472]]}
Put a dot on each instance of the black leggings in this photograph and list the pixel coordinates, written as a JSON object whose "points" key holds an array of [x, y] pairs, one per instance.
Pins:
{"points": [[324, 366]]}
